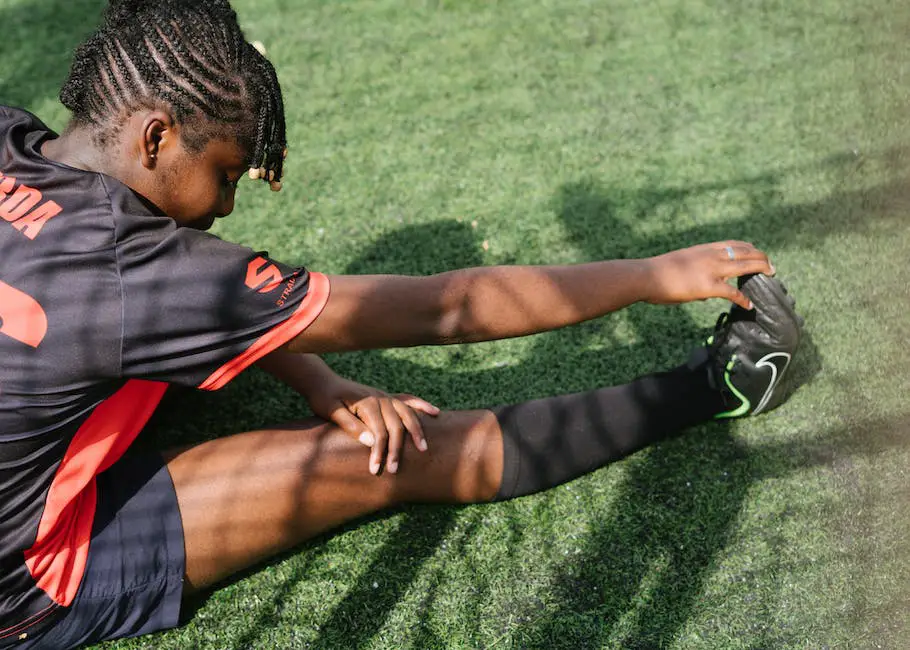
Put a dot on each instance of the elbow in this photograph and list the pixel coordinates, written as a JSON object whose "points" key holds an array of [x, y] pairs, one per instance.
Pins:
{"points": [[455, 321], [452, 326], [441, 309]]}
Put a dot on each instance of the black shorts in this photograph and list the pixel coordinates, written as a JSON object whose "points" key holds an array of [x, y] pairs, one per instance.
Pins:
{"points": [[133, 580]]}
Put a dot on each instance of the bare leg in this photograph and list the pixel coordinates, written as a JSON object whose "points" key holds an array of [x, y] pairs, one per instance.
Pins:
{"points": [[247, 497]]}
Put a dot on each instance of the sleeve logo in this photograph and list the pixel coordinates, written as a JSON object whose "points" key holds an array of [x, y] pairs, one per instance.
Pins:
{"points": [[21, 317], [262, 276]]}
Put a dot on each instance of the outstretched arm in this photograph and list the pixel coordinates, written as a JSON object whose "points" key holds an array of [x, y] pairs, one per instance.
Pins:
{"points": [[487, 303]]}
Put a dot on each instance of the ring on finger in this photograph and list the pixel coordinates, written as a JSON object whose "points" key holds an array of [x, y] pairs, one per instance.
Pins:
{"points": [[730, 253]]}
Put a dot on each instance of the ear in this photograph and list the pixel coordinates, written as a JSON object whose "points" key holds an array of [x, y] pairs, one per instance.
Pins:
{"points": [[158, 135]]}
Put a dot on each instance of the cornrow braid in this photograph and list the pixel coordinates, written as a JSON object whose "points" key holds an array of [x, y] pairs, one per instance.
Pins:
{"points": [[192, 56]]}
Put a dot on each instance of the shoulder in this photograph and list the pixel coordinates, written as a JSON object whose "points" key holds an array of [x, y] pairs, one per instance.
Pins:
{"points": [[17, 126], [11, 113]]}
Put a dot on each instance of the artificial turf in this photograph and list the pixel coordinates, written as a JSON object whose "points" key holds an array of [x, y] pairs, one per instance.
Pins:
{"points": [[427, 136]]}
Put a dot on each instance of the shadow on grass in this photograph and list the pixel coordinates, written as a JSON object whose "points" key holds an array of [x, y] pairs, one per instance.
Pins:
{"points": [[674, 509], [643, 568], [38, 43]]}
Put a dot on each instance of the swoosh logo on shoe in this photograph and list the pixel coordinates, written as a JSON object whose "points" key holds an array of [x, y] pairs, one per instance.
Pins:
{"points": [[778, 362]]}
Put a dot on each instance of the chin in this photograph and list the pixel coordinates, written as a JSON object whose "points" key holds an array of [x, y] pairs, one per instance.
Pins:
{"points": [[203, 223]]}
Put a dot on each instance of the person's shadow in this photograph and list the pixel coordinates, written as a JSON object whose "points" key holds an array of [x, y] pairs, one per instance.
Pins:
{"points": [[685, 493], [673, 508]]}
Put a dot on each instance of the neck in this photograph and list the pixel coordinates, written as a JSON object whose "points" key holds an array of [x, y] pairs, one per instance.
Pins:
{"points": [[76, 148]]}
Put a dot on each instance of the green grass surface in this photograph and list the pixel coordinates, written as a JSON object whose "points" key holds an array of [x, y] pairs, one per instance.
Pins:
{"points": [[431, 135]]}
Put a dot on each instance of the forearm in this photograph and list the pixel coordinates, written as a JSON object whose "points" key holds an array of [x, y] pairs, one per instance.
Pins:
{"points": [[506, 301], [476, 304], [302, 372]]}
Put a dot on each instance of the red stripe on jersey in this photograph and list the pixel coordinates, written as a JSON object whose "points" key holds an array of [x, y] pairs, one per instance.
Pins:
{"points": [[21, 317], [313, 304], [32, 620], [57, 558]]}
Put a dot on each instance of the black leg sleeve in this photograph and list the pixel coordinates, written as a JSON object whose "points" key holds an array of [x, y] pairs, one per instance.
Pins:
{"points": [[547, 442]]}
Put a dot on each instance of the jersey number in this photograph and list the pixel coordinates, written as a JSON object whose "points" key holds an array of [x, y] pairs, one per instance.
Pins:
{"points": [[21, 317]]}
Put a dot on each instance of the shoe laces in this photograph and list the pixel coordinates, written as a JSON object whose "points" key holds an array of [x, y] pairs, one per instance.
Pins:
{"points": [[720, 329], [721, 321], [714, 343]]}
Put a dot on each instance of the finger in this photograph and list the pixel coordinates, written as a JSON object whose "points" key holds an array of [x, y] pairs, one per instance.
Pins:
{"points": [[744, 251], [739, 244], [395, 427], [371, 413], [411, 423], [351, 425], [738, 251], [735, 296], [419, 404], [748, 267]]}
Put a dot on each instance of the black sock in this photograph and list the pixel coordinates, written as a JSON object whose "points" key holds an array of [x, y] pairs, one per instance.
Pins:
{"points": [[547, 442]]}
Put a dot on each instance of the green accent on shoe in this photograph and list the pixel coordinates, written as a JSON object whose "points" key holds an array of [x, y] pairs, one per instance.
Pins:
{"points": [[743, 408]]}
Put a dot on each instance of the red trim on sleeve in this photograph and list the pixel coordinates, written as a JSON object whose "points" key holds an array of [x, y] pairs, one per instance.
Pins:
{"points": [[313, 303], [57, 558]]}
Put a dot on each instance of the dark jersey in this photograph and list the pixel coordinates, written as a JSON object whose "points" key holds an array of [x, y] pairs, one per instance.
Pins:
{"points": [[103, 303]]}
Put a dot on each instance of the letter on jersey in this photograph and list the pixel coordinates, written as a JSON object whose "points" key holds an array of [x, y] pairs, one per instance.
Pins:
{"points": [[21, 317], [19, 208]]}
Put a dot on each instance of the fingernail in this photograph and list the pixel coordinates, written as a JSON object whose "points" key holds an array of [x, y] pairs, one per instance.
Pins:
{"points": [[751, 306], [773, 270], [422, 445], [367, 439], [374, 468], [393, 466]]}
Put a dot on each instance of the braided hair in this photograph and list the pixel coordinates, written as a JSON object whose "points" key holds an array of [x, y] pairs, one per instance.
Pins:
{"points": [[191, 56]]}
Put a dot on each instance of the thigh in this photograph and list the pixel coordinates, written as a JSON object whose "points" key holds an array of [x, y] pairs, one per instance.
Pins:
{"points": [[249, 496]]}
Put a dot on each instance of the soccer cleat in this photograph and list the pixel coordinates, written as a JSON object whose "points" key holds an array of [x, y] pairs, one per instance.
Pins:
{"points": [[751, 350]]}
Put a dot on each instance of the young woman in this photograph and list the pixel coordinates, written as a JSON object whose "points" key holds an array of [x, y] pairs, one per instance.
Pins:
{"points": [[110, 290]]}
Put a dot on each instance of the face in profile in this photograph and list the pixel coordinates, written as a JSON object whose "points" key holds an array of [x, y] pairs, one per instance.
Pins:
{"points": [[199, 187], [192, 185]]}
